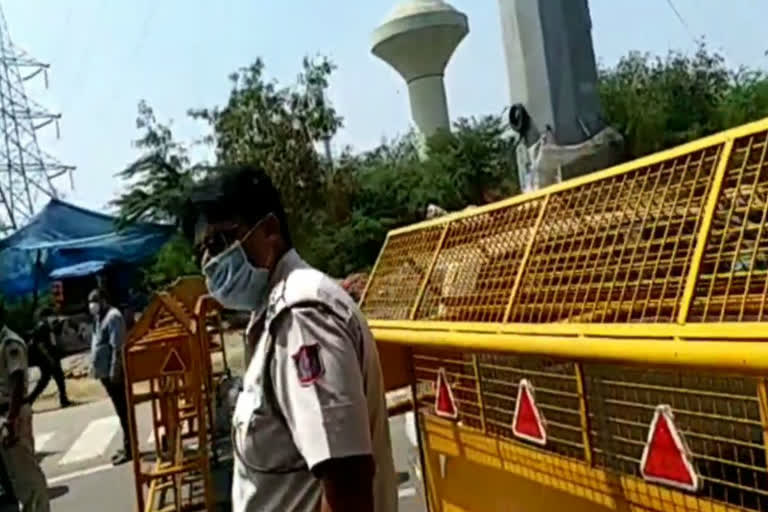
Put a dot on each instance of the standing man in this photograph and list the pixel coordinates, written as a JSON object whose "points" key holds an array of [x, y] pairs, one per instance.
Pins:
{"points": [[107, 362], [310, 428], [43, 353], [17, 449]]}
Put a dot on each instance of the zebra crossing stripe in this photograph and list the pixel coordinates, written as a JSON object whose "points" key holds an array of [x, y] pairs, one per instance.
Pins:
{"points": [[43, 439], [93, 441]]}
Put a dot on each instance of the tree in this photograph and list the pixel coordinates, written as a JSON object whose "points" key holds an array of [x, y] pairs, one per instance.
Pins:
{"points": [[156, 191], [174, 260], [474, 164], [280, 127], [657, 103], [159, 179], [340, 211]]}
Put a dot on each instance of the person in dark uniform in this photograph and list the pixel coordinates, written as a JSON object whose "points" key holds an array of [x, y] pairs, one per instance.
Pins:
{"points": [[43, 353]]}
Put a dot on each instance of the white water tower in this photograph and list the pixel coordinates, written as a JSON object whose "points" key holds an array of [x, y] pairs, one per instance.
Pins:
{"points": [[418, 39]]}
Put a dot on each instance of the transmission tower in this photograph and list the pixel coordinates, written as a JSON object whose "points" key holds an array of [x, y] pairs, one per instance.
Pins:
{"points": [[27, 173]]}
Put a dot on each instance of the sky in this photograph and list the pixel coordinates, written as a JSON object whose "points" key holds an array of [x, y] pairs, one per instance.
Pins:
{"points": [[106, 55]]}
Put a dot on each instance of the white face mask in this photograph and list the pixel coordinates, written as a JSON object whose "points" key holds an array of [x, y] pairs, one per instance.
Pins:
{"points": [[234, 282], [94, 308]]}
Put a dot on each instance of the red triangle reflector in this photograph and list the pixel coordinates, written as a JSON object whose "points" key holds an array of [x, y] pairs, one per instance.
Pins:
{"points": [[528, 422], [173, 363], [666, 458], [445, 405]]}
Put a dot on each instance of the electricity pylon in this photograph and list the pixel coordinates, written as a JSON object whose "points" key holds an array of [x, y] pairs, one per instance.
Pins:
{"points": [[27, 174]]}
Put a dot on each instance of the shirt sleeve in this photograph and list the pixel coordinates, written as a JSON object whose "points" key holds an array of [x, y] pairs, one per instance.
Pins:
{"points": [[15, 355], [319, 385], [116, 332]]}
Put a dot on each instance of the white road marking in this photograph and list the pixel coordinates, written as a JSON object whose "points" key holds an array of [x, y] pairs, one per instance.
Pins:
{"points": [[77, 474], [93, 442], [407, 492], [42, 439], [410, 428]]}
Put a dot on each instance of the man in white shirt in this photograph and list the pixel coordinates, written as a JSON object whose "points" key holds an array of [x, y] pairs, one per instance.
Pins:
{"points": [[109, 335], [310, 429]]}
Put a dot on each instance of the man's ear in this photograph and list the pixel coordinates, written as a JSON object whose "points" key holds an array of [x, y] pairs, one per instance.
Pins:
{"points": [[272, 230]]}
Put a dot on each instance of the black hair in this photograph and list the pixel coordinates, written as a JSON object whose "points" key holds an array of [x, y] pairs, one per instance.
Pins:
{"points": [[99, 293], [242, 193]]}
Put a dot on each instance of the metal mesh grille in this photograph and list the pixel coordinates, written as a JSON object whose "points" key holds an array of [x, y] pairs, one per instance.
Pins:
{"points": [[556, 397], [460, 372], [479, 260], [618, 249], [621, 248], [403, 265], [719, 417], [733, 276]]}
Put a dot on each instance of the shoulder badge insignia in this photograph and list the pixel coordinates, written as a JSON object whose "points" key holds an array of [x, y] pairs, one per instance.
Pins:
{"points": [[309, 366], [13, 352]]}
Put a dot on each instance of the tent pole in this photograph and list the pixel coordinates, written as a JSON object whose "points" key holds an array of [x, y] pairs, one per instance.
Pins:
{"points": [[36, 291]]}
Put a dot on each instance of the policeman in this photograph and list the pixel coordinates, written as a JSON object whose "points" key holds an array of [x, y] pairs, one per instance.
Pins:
{"points": [[18, 446], [43, 353], [310, 429]]}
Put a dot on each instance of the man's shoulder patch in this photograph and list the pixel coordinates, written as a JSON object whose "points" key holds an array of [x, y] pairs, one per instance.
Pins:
{"points": [[309, 364], [14, 350]]}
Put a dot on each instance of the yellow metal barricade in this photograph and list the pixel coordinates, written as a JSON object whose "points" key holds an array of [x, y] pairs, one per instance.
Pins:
{"points": [[193, 294], [642, 285], [167, 370]]}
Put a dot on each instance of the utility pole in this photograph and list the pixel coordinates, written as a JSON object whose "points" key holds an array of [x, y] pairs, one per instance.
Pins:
{"points": [[552, 78]]}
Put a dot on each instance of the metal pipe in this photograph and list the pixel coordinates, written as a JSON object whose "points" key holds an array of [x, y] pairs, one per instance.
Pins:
{"points": [[741, 356]]}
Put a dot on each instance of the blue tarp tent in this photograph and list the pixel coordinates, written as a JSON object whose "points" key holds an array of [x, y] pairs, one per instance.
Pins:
{"points": [[69, 241]]}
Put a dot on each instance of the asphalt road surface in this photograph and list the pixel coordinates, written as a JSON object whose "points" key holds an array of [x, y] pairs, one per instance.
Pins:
{"points": [[76, 444]]}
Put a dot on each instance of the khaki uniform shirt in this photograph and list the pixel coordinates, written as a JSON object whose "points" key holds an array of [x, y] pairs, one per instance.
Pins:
{"points": [[312, 392], [13, 357]]}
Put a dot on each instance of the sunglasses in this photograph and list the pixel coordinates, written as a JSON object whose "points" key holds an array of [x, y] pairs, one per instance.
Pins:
{"points": [[215, 243], [220, 240]]}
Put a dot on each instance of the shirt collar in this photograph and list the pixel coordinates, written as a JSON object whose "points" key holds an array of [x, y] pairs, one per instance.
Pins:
{"points": [[288, 262]]}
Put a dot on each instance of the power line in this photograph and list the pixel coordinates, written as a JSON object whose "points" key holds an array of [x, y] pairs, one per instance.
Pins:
{"points": [[145, 27], [687, 27], [680, 18], [83, 68], [143, 33]]}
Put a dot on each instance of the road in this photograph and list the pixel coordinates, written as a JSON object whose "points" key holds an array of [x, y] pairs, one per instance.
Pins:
{"points": [[76, 445]]}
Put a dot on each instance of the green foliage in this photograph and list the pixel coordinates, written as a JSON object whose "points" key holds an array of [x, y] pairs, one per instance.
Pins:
{"points": [[340, 211], [174, 260], [657, 103], [279, 127], [159, 178], [472, 165]]}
